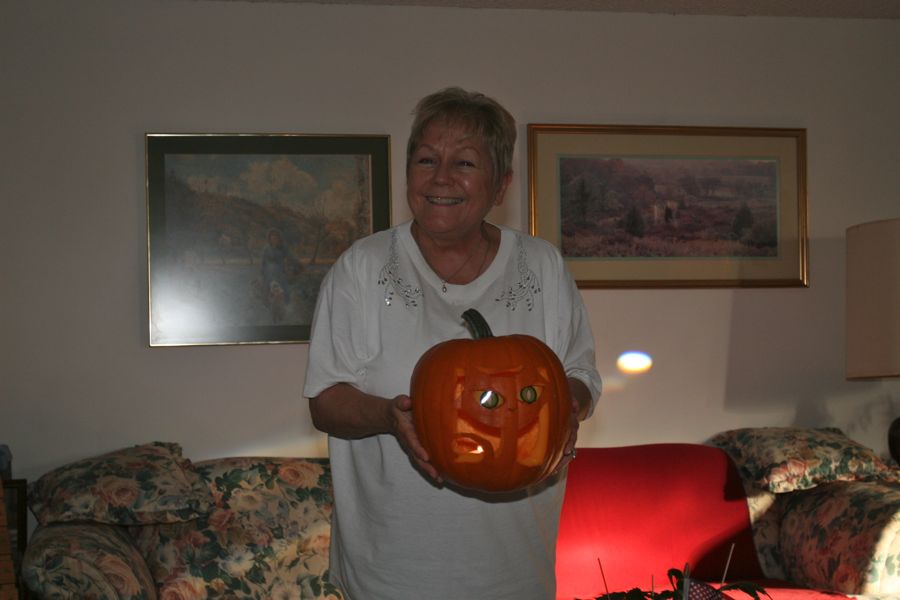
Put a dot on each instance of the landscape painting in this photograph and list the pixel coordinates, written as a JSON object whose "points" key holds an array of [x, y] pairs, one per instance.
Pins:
{"points": [[668, 207], [653, 206], [242, 230]]}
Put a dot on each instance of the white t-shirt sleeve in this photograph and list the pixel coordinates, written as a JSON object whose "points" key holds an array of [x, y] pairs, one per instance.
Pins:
{"points": [[336, 346], [576, 339]]}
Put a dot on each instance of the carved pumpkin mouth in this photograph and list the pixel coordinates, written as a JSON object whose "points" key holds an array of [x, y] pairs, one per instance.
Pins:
{"points": [[475, 442]]}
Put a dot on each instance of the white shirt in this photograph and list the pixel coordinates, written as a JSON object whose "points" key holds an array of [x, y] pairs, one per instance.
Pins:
{"points": [[395, 535]]}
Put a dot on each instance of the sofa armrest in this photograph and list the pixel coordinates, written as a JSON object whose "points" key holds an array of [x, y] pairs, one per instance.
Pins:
{"points": [[844, 536], [85, 561]]}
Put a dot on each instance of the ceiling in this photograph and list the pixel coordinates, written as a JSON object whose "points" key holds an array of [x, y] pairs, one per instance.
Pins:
{"points": [[837, 9]]}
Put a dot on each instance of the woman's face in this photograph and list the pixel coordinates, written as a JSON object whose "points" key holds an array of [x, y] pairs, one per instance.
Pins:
{"points": [[450, 185]]}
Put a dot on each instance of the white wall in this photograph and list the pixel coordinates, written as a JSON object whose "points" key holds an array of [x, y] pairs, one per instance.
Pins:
{"points": [[82, 83]]}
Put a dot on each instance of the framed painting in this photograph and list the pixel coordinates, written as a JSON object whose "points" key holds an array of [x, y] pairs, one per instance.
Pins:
{"points": [[243, 227], [653, 206]]}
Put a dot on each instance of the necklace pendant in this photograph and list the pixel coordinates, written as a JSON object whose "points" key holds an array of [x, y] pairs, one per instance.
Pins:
{"points": [[444, 286]]}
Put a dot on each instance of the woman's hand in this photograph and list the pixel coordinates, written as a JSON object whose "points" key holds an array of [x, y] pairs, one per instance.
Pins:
{"points": [[581, 403], [569, 449], [346, 412], [405, 432]]}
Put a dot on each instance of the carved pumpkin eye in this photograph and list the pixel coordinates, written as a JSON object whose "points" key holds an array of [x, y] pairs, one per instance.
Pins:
{"points": [[530, 394], [489, 399]]}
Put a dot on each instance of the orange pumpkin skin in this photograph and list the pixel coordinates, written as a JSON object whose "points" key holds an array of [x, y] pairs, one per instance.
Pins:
{"points": [[494, 413]]}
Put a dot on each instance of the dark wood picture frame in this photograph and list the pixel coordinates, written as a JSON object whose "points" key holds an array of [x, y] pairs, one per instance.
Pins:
{"points": [[15, 527], [241, 229]]}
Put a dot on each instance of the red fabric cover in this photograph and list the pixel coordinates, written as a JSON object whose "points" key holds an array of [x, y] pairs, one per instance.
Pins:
{"points": [[645, 509]]}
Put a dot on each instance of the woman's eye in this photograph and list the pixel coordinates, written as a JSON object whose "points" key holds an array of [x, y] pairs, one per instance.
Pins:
{"points": [[489, 399], [530, 394]]}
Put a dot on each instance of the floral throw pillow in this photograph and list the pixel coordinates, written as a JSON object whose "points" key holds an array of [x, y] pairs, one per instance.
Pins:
{"points": [[786, 459], [150, 483]]}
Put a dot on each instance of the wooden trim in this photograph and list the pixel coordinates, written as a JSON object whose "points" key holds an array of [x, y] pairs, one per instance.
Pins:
{"points": [[8, 589]]}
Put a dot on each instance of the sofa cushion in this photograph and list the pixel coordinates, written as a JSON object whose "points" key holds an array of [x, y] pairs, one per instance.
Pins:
{"points": [[787, 459], [80, 560], [765, 518], [267, 537], [149, 483], [844, 536]]}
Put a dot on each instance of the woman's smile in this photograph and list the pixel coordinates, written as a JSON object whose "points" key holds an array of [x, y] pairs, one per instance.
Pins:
{"points": [[443, 200]]}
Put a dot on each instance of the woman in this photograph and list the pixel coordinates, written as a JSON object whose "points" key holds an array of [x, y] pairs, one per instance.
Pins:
{"points": [[399, 532]]}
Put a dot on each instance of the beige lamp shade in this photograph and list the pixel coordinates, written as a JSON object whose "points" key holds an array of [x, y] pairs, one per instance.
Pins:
{"points": [[873, 299]]}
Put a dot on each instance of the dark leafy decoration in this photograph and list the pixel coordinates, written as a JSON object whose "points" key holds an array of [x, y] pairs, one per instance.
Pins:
{"points": [[676, 579]]}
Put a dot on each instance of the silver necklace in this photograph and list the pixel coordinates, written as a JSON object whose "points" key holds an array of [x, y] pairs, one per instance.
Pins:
{"points": [[480, 268], [459, 269]]}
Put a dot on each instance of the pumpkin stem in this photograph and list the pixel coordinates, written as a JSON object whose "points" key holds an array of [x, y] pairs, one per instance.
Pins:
{"points": [[477, 325]]}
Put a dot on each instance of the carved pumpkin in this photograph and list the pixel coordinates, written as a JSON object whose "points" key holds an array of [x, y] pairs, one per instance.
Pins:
{"points": [[493, 412]]}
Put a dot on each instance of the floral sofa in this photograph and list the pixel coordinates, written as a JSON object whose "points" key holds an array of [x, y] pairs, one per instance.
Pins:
{"points": [[143, 523], [807, 513]]}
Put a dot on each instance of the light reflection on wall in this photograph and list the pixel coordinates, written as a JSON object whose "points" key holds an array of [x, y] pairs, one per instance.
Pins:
{"points": [[176, 315], [629, 363], [633, 363]]}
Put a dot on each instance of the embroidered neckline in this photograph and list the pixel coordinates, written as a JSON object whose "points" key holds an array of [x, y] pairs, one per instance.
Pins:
{"points": [[523, 289], [526, 287], [393, 283]]}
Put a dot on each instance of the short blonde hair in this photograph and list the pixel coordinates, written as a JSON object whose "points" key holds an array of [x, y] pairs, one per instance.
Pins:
{"points": [[481, 115]]}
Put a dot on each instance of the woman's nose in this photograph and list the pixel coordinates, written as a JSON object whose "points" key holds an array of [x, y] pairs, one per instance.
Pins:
{"points": [[442, 172]]}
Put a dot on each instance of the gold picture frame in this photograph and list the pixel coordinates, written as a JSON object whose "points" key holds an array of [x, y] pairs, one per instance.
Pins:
{"points": [[638, 206]]}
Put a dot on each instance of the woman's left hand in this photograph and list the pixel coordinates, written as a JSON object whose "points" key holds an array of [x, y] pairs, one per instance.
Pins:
{"points": [[569, 451], [581, 402]]}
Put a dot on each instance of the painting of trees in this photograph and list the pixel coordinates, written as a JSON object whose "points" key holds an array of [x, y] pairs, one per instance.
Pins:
{"points": [[668, 207]]}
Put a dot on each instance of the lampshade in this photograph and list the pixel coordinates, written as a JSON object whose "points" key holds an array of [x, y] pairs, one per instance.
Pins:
{"points": [[873, 299]]}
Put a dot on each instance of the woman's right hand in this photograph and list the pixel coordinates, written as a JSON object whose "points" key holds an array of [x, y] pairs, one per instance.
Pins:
{"points": [[344, 411], [404, 430]]}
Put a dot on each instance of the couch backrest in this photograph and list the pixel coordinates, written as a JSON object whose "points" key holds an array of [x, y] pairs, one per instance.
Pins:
{"points": [[642, 510], [266, 536]]}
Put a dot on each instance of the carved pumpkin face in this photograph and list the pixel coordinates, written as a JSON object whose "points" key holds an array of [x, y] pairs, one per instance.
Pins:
{"points": [[493, 412]]}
